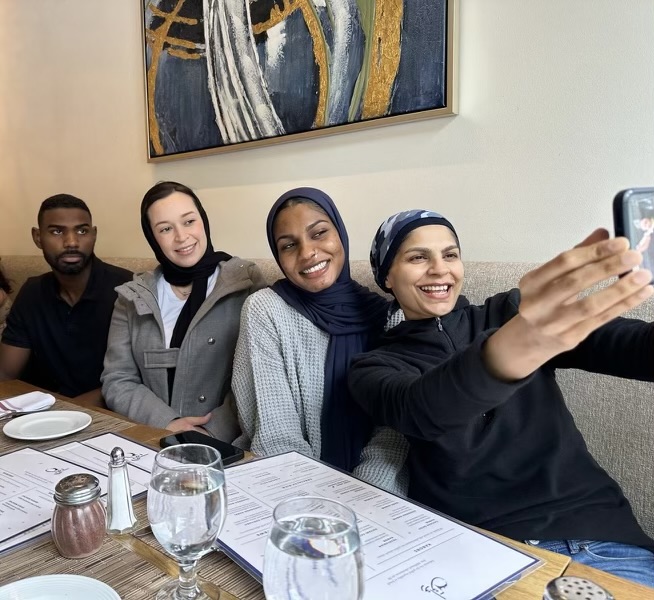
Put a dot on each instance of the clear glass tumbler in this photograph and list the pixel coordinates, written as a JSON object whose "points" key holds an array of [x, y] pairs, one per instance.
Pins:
{"points": [[313, 551]]}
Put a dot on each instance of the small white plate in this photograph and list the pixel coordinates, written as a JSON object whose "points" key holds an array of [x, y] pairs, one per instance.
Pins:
{"points": [[47, 425], [56, 587]]}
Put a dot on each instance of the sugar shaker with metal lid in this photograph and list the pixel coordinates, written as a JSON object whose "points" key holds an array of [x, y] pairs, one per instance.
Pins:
{"points": [[577, 588], [79, 516], [120, 511]]}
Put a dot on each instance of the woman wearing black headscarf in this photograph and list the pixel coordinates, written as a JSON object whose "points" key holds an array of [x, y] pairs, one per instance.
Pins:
{"points": [[173, 331], [296, 343]]}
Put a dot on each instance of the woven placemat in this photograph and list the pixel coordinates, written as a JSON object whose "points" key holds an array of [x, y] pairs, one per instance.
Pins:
{"points": [[215, 567], [127, 573]]}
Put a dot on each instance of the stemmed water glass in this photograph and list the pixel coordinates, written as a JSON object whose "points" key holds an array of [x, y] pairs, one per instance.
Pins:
{"points": [[187, 506], [313, 551]]}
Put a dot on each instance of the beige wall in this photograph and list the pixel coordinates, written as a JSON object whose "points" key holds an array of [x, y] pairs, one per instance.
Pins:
{"points": [[556, 115]]}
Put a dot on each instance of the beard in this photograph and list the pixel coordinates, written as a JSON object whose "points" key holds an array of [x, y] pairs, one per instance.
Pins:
{"points": [[66, 268]]}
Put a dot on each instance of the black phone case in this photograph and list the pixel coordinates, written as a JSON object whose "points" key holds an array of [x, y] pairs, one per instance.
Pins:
{"points": [[618, 213], [229, 454]]}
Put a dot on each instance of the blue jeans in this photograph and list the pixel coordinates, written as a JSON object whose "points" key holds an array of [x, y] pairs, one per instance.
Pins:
{"points": [[630, 562]]}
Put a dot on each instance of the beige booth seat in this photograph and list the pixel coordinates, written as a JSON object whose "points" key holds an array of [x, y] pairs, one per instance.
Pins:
{"points": [[616, 416]]}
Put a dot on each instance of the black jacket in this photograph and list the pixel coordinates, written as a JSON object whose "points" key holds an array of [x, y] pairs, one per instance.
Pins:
{"points": [[504, 456]]}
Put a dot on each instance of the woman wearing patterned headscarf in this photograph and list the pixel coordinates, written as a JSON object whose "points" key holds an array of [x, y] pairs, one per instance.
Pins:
{"points": [[296, 343], [473, 389], [173, 331]]}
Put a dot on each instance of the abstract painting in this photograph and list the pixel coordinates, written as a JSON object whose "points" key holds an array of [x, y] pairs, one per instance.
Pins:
{"points": [[232, 74]]}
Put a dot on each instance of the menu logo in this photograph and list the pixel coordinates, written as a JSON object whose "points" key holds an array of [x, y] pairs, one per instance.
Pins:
{"points": [[436, 586], [55, 470], [133, 456]]}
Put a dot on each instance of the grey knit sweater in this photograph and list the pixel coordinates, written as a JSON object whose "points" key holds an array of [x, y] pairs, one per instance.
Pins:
{"points": [[278, 382]]}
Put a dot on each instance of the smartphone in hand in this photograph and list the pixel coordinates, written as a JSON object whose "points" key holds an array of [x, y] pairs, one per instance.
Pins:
{"points": [[633, 218], [230, 454]]}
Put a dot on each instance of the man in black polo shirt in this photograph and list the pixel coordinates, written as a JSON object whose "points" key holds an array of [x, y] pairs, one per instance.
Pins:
{"points": [[56, 333]]}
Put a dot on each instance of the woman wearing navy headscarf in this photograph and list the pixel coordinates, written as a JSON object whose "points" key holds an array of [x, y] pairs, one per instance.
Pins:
{"points": [[296, 343]]}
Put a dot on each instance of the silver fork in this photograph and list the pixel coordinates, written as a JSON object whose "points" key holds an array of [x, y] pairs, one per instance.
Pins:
{"points": [[19, 413]]}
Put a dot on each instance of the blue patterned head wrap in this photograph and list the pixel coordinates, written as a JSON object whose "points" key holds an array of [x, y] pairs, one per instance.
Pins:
{"points": [[392, 232]]}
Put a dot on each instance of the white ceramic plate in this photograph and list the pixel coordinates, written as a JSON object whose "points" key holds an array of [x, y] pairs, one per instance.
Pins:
{"points": [[58, 587], [47, 425]]}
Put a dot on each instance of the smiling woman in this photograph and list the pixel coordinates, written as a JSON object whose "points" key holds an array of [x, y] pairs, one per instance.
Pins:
{"points": [[173, 331], [296, 343], [309, 248], [474, 388]]}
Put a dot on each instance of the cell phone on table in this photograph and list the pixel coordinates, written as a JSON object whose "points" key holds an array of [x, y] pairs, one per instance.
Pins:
{"points": [[633, 218], [230, 454]]}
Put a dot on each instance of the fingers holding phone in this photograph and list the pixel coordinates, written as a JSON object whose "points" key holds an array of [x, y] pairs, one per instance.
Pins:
{"points": [[550, 294], [553, 314]]}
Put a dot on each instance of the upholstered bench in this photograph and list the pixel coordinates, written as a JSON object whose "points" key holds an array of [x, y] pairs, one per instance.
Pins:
{"points": [[616, 416]]}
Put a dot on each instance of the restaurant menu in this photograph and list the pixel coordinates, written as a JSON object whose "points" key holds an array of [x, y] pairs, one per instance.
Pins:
{"points": [[28, 478], [409, 551]]}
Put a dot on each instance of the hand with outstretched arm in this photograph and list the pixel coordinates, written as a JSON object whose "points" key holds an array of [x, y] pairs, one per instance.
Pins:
{"points": [[553, 318]]}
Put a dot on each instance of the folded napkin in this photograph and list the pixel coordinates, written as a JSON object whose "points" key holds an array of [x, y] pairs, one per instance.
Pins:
{"points": [[26, 402]]}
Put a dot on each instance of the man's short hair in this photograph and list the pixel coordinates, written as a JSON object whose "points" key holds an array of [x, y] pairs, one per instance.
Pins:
{"points": [[61, 201]]}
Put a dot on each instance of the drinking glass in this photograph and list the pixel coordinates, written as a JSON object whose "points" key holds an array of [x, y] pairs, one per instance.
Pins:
{"points": [[187, 506], [313, 551]]}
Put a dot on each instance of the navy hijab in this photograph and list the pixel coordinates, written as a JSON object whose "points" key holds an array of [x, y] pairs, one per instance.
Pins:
{"points": [[351, 314]]}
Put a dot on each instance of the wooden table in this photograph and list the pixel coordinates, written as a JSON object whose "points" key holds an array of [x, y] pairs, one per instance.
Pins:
{"points": [[136, 566]]}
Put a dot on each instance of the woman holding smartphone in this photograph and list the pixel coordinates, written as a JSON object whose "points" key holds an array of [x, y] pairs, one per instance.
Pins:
{"points": [[474, 390], [296, 343], [173, 331]]}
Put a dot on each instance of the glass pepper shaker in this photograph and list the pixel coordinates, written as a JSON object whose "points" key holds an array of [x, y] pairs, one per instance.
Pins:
{"points": [[120, 511], [79, 516]]}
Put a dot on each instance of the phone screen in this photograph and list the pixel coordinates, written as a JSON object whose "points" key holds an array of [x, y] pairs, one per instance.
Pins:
{"points": [[639, 224]]}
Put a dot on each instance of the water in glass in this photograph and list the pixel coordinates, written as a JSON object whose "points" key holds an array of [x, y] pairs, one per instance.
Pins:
{"points": [[313, 553], [185, 511], [187, 506]]}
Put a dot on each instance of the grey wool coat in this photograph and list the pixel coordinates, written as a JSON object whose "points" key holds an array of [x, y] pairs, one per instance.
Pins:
{"points": [[135, 376]]}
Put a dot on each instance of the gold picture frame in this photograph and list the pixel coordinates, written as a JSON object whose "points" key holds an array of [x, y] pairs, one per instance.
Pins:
{"points": [[227, 75]]}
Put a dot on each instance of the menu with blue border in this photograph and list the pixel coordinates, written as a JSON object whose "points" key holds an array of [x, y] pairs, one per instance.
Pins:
{"points": [[409, 551]]}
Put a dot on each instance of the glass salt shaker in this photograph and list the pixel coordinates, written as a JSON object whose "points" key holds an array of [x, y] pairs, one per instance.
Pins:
{"points": [[577, 588], [78, 517], [120, 511]]}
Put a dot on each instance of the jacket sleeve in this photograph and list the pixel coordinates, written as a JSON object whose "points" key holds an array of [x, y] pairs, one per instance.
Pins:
{"points": [[122, 386], [266, 407], [622, 347], [425, 405], [383, 461]]}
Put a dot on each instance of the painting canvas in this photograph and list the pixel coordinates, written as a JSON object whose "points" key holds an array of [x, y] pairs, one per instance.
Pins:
{"points": [[231, 74]]}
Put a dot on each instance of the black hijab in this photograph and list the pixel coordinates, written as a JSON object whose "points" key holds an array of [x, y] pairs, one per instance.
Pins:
{"points": [[351, 314], [198, 274]]}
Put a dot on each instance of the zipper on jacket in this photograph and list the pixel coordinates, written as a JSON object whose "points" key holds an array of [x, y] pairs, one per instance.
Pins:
{"points": [[441, 329]]}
